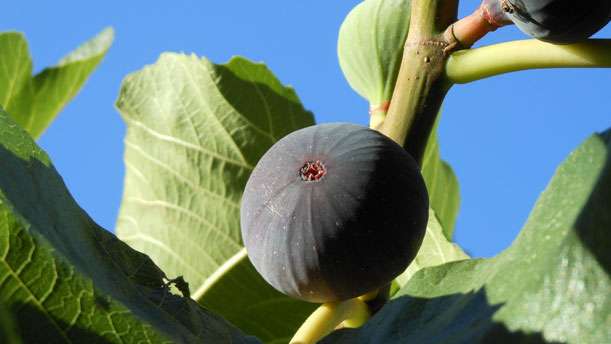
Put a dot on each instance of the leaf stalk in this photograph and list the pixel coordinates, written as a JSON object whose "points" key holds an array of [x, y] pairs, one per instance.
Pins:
{"points": [[465, 66]]}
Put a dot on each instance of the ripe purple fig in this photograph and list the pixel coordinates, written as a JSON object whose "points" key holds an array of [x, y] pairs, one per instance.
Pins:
{"points": [[333, 211], [558, 21]]}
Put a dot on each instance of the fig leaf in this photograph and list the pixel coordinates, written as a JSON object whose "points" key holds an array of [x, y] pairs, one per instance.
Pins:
{"points": [[34, 101], [195, 130], [442, 185], [67, 280]]}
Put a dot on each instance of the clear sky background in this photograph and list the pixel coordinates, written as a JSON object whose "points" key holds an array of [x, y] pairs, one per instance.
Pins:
{"points": [[504, 136]]}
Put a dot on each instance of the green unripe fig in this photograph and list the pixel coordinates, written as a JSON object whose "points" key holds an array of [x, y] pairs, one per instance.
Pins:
{"points": [[370, 47]]}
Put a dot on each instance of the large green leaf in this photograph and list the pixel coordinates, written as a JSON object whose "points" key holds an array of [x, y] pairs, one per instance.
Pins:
{"points": [[34, 101], [441, 184], [195, 131], [66, 280], [551, 285]]}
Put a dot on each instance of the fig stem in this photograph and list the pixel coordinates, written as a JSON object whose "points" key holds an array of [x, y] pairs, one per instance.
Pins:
{"points": [[421, 84], [369, 296], [470, 65], [488, 17], [324, 320]]}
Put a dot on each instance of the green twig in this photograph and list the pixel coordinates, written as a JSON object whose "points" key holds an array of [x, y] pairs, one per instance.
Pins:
{"points": [[469, 65], [421, 85]]}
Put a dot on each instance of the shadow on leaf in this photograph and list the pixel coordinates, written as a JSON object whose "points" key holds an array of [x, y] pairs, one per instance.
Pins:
{"points": [[451, 319], [595, 218], [499, 334], [32, 191], [49, 329]]}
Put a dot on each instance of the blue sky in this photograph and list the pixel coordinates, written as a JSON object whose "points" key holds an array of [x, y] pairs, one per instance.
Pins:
{"points": [[504, 136]]}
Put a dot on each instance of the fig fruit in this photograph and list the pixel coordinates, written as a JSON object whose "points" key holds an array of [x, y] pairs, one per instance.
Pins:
{"points": [[558, 21], [333, 211], [370, 47]]}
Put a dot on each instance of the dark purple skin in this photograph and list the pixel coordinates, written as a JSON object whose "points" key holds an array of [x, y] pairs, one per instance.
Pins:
{"points": [[333, 211], [558, 21]]}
